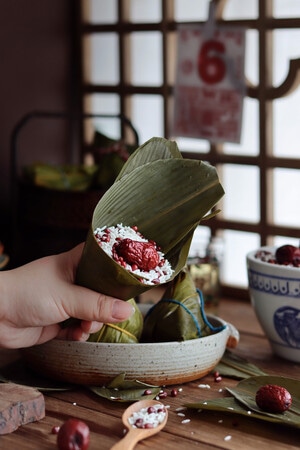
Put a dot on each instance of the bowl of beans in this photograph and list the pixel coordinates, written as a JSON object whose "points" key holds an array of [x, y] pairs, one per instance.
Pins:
{"points": [[274, 287]]}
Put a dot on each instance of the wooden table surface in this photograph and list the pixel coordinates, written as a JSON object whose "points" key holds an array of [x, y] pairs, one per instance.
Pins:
{"points": [[205, 430]]}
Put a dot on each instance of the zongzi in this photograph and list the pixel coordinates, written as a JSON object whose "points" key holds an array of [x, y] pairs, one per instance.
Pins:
{"points": [[179, 315], [128, 332], [162, 193]]}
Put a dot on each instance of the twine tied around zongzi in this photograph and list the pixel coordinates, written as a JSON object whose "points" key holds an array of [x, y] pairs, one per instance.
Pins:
{"points": [[212, 328]]}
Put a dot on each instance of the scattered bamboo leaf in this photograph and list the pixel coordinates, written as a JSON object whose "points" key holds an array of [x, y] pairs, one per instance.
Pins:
{"points": [[246, 390], [121, 390], [234, 366], [225, 404], [243, 402]]}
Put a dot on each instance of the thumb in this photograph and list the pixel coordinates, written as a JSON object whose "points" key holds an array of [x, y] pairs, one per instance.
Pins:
{"points": [[89, 305]]}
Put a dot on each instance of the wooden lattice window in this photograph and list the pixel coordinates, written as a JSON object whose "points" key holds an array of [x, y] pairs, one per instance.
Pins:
{"points": [[128, 67]]}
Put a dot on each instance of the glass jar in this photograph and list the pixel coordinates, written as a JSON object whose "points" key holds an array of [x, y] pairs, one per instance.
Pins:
{"points": [[205, 272]]}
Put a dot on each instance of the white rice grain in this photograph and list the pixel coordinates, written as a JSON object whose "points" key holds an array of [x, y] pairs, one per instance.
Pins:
{"points": [[227, 438], [186, 421], [159, 275], [152, 418]]}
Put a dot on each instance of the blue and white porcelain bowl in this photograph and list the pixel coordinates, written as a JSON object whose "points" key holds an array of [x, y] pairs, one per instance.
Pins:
{"points": [[275, 296]]}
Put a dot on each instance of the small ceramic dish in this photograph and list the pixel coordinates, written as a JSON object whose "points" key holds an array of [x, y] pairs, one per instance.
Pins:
{"points": [[162, 363]]}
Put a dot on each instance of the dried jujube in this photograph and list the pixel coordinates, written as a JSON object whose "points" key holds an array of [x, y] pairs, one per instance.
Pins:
{"points": [[273, 399]]}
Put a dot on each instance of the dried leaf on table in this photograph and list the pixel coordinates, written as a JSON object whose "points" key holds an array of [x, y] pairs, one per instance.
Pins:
{"points": [[243, 402], [121, 390], [245, 393], [234, 366]]}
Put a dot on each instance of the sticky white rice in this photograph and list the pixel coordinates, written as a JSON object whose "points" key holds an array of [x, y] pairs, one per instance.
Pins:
{"points": [[162, 272], [148, 417]]}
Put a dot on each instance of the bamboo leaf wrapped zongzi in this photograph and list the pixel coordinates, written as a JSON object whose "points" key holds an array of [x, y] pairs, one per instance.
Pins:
{"points": [[165, 196], [179, 315], [129, 331]]}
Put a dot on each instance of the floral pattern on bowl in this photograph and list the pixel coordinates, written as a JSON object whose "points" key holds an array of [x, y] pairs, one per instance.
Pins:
{"points": [[287, 324]]}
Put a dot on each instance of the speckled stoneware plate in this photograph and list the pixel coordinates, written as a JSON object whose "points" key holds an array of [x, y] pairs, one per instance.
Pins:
{"points": [[163, 363]]}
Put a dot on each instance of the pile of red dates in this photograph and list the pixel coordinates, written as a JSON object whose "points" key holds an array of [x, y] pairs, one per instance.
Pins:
{"points": [[287, 255]]}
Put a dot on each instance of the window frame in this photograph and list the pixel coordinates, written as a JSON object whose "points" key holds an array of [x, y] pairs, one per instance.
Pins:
{"points": [[265, 93]]}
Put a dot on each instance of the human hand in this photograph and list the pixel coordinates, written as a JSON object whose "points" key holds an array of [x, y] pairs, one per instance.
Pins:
{"points": [[37, 297]]}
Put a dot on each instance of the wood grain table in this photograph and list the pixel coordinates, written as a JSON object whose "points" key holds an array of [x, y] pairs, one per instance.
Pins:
{"points": [[195, 430]]}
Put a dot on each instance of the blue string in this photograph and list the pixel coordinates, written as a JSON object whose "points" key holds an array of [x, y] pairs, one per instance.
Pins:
{"points": [[176, 302], [206, 321], [202, 311]]}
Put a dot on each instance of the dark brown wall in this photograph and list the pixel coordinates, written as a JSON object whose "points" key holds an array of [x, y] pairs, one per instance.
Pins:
{"points": [[35, 74]]}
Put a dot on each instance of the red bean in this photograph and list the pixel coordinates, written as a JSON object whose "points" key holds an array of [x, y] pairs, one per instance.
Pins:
{"points": [[55, 429], [174, 392], [151, 410], [163, 394], [139, 423], [161, 410]]}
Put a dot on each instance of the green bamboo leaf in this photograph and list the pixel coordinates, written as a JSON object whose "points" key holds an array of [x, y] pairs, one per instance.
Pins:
{"points": [[243, 401], [234, 366], [118, 381], [129, 331], [122, 390], [229, 405], [166, 199], [226, 405], [173, 203], [179, 315], [245, 393], [211, 215], [154, 149]]}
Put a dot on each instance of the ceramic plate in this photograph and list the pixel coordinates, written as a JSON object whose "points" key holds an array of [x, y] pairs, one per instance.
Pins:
{"points": [[163, 363]]}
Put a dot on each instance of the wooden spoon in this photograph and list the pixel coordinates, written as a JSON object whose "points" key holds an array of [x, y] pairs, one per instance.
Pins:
{"points": [[135, 435]]}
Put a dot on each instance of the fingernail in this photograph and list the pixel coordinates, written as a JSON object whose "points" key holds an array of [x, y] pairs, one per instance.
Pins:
{"points": [[84, 337], [122, 310], [95, 327]]}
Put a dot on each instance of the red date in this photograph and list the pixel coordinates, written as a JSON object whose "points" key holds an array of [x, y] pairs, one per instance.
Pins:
{"points": [[287, 254], [73, 435], [143, 255], [272, 398]]}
